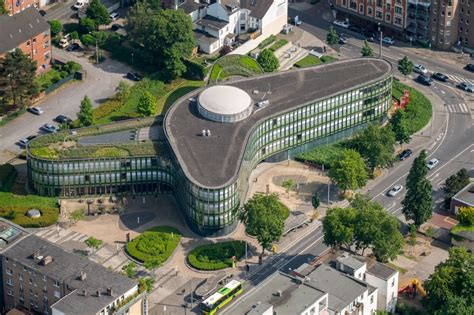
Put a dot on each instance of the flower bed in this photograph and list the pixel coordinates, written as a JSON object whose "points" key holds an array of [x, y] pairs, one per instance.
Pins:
{"points": [[158, 242], [216, 256]]}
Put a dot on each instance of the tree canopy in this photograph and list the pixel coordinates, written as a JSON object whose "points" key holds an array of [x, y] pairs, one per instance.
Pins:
{"points": [[454, 184], [17, 79], [417, 205], [366, 50], [56, 27], [165, 37], [93, 243], [3, 10], [264, 217], [405, 66], [450, 289], [268, 61], [98, 12], [332, 36], [349, 171], [146, 104], [88, 25], [399, 128], [85, 114]]}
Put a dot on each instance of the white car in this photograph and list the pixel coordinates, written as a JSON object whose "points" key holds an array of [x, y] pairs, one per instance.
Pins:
{"points": [[388, 41], [395, 190], [114, 16], [63, 43], [36, 110], [420, 69], [79, 4], [342, 24], [432, 163], [49, 128], [23, 142]]}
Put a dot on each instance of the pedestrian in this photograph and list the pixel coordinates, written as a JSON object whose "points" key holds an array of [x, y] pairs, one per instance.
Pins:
{"points": [[247, 267]]}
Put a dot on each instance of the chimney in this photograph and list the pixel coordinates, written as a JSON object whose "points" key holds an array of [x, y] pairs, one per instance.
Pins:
{"points": [[98, 293], [35, 254], [46, 260], [208, 133], [84, 292], [82, 275], [110, 291]]}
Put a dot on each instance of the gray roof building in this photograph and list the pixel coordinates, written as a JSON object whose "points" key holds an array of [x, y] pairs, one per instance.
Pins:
{"points": [[19, 28], [466, 195], [258, 8]]}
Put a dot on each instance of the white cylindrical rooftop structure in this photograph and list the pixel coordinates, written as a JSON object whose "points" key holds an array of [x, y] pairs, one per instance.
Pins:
{"points": [[223, 103]]}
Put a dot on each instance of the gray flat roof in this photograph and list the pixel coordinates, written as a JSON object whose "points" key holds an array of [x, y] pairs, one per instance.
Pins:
{"points": [[466, 195], [350, 262], [214, 161], [380, 270], [65, 268]]}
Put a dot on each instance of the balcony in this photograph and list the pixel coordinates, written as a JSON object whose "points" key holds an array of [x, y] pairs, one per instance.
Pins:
{"points": [[122, 307]]}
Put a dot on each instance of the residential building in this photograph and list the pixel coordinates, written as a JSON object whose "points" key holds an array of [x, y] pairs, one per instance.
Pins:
{"points": [[444, 23], [464, 198], [376, 274], [466, 22], [17, 6], [42, 277], [30, 32], [418, 21], [210, 140], [392, 15]]}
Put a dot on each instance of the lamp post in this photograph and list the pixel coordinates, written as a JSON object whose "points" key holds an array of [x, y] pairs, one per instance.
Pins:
{"points": [[379, 28], [132, 58]]}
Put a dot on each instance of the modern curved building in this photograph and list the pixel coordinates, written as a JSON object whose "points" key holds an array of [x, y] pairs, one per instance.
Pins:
{"points": [[210, 140]]}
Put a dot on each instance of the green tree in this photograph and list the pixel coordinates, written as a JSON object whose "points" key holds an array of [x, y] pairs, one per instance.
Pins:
{"points": [[85, 115], [332, 37], [146, 104], [405, 66], [375, 145], [98, 12], [55, 26], [17, 79], [88, 25], [87, 40], [466, 216], [454, 184], [366, 50], [450, 289], [315, 202], [338, 227], [93, 243], [417, 205], [151, 264], [3, 9], [267, 60], [389, 241], [399, 128], [146, 283], [165, 38], [155, 4], [264, 216], [130, 269], [123, 91], [74, 35], [288, 185], [349, 171]]}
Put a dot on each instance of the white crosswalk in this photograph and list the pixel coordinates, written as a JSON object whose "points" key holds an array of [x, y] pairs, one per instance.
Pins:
{"points": [[62, 236], [458, 108], [459, 79]]}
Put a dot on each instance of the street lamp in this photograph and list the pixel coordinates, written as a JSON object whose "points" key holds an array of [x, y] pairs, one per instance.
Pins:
{"points": [[379, 28], [132, 58]]}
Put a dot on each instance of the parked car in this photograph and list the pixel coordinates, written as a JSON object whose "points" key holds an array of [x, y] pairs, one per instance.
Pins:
{"points": [[440, 77], [356, 29], [79, 4], [61, 119], [42, 12], [342, 39], [425, 80], [370, 36], [23, 142], [36, 110], [432, 163], [469, 67], [388, 40], [115, 27], [73, 47], [343, 24], [420, 69], [49, 128], [63, 43], [405, 154], [134, 76], [395, 190], [114, 16], [466, 87]]}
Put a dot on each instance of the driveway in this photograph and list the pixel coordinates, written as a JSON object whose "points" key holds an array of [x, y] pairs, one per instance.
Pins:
{"points": [[99, 84]]}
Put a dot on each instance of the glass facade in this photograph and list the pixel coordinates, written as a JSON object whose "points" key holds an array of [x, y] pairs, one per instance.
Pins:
{"points": [[214, 211]]}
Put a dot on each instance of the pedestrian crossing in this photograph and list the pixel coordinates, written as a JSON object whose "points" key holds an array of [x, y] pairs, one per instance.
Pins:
{"points": [[459, 79], [457, 108], [61, 236]]}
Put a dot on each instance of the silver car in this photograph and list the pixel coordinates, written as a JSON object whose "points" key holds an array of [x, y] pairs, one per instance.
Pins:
{"points": [[395, 190]]}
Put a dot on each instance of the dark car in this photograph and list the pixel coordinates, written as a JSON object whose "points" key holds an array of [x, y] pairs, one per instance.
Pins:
{"points": [[342, 39], [62, 119], [115, 27], [134, 76], [42, 12], [356, 29], [73, 47], [405, 154], [440, 77], [469, 67], [466, 87], [370, 36], [425, 80]]}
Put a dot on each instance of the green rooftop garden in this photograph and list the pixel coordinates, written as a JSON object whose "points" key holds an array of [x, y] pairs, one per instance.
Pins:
{"points": [[234, 65]]}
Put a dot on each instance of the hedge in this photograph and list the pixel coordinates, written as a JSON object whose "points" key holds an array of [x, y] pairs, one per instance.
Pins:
{"points": [[14, 207], [322, 155], [280, 43], [216, 256], [156, 242], [7, 177], [267, 41], [194, 70]]}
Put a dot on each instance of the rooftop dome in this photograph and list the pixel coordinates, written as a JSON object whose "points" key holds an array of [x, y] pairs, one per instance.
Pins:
{"points": [[223, 103]]}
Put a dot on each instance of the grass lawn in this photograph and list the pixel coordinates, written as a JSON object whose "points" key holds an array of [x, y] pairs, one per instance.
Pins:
{"points": [[308, 61], [158, 242], [418, 111], [216, 256], [327, 59], [322, 155], [267, 41], [174, 91], [234, 65], [280, 43], [461, 228], [14, 207]]}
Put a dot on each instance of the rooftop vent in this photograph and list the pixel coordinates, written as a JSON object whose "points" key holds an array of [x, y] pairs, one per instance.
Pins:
{"points": [[279, 293], [110, 291], [46, 260], [84, 292], [98, 293], [255, 92], [36, 254], [82, 275], [263, 103]]}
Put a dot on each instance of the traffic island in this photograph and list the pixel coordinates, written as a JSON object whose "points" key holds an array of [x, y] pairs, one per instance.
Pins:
{"points": [[216, 256]]}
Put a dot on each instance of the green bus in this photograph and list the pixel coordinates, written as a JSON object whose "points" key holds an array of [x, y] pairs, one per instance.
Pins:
{"points": [[223, 296]]}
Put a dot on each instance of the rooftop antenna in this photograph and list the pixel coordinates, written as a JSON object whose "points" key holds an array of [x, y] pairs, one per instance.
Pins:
{"points": [[208, 133], [203, 133]]}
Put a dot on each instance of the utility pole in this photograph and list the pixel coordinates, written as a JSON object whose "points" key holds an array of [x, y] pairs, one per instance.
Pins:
{"points": [[96, 51], [329, 189], [381, 37]]}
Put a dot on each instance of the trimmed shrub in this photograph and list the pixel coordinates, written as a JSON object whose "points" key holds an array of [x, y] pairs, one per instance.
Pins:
{"points": [[466, 216], [267, 41], [158, 242], [216, 256], [7, 177], [280, 43], [14, 207], [194, 70]]}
